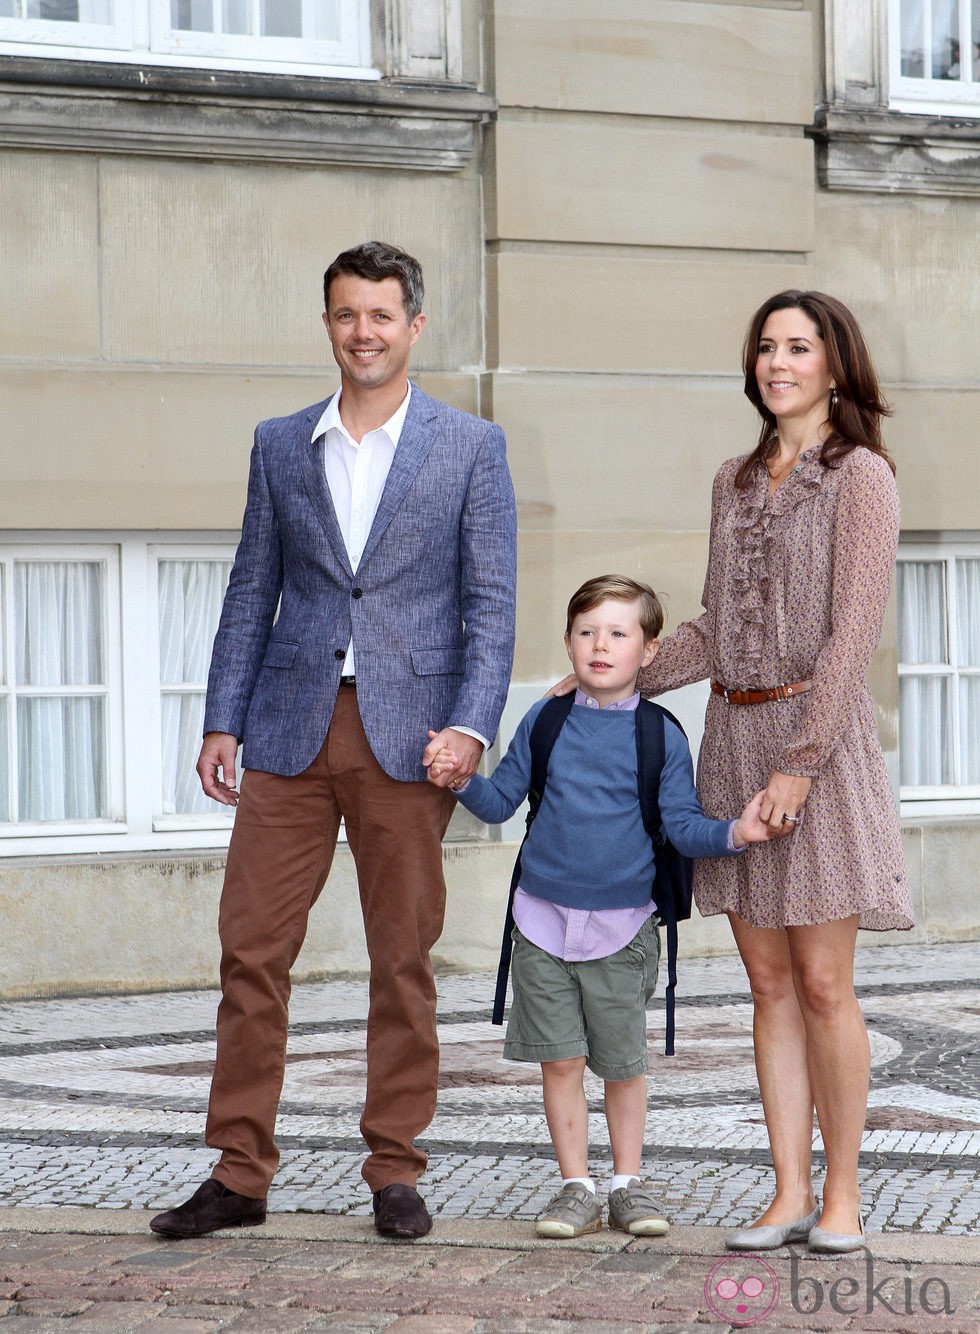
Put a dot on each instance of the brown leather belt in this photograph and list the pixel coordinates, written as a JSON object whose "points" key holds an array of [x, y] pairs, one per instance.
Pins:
{"points": [[762, 696]]}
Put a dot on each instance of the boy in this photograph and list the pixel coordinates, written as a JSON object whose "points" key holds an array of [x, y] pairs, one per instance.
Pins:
{"points": [[586, 945]]}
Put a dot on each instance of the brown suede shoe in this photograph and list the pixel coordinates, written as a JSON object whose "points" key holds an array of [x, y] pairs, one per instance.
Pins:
{"points": [[212, 1206], [399, 1211]]}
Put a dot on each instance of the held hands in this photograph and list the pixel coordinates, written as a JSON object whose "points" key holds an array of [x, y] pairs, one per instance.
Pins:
{"points": [[451, 757], [750, 826], [782, 804], [444, 763], [219, 751]]}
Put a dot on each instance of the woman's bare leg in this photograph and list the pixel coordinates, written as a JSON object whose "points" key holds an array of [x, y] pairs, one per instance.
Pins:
{"points": [[779, 1036], [838, 1058]]}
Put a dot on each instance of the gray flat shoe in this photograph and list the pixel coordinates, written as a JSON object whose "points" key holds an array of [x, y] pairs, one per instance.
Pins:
{"points": [[768, 1238], [823, 1242]]}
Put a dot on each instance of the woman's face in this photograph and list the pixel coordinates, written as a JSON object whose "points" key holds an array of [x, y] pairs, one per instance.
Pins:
{"points": [[791, 368]]}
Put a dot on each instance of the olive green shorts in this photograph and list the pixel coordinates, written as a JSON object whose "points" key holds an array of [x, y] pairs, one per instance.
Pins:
{"points": [[595, 1009]]}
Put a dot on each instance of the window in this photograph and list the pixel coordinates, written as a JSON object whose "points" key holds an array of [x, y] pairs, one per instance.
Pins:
{"points": [[103, 670], [59, 676], [934, 56], [301, 36], [939, 674]]}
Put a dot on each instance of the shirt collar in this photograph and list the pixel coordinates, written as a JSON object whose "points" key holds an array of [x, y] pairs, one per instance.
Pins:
{"points": [[621, 706], [330, 420]]}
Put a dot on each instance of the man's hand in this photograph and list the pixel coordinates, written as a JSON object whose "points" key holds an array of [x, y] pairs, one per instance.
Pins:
{"points": [[219, 751], [465, 748]]}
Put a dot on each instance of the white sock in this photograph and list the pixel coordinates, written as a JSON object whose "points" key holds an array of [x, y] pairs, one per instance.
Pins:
{"points": [[619, 1182], [587, 1182]]}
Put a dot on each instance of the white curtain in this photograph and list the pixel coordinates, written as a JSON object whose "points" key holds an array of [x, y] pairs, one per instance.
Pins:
{"points": [[968, 654], [5, 811], [190, 593], [928, 700], [924, 727], [60, 618]]}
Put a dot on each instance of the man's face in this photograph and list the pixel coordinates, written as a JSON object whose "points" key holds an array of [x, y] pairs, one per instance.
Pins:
{"points": [[369, 332]]}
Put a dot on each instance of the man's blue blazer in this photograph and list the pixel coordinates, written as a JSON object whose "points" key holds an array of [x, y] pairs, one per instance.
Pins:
{"points": [[430, 608]]}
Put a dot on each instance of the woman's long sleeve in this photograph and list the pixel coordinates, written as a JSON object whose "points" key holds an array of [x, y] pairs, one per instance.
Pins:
{"points": [[865, 541]]}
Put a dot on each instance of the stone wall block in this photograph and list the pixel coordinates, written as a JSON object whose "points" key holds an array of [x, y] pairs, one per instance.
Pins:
{"points": [[49, 260], [672, 58], [576, 179]]}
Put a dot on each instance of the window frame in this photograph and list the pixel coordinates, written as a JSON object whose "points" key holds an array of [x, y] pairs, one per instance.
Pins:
{"points": [[942, 799], [131, 629], [141, 34], [100, 553], [928, 96]]}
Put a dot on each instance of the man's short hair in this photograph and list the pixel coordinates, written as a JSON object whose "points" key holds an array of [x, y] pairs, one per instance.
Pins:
{"points": [[621, 589], [377, 260]]}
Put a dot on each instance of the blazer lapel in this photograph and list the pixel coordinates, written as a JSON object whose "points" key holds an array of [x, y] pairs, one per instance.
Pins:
{"points": [[414, 444], [315, 481]]}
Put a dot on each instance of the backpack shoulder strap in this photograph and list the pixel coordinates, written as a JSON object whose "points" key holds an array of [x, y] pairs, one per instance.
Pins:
{"points": [[544, 734], [672, 886]]}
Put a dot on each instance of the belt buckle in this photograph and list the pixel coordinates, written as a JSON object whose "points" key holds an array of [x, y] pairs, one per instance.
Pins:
{"points": [[726, 692]]}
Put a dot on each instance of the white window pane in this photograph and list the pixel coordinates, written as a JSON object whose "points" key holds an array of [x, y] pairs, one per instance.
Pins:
{"points": [[5, 811], [283, 18], [234, 16], [62, 758], [60, 11], [945, 39], [921, 612], [924, 747], [968, 612], [60, 615], [192, 15], [181, 719], [913, 39], [969, 699], [190, 593]]}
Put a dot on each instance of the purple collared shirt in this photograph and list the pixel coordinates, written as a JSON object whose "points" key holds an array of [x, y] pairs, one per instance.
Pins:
{"points": [[576, 934]]}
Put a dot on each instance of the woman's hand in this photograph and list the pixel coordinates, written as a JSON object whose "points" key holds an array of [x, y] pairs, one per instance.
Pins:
{"points": [[563, 686], [782, 805]]}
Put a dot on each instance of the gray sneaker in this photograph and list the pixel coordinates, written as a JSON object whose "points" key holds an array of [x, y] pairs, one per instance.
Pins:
{"points": [[573, 1212], [633, 1209]]}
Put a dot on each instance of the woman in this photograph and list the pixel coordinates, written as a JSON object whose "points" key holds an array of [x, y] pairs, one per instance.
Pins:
{"points": [[803, 538]]}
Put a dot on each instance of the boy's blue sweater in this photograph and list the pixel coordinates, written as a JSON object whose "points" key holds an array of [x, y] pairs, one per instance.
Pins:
{"points": [[587, 847]]}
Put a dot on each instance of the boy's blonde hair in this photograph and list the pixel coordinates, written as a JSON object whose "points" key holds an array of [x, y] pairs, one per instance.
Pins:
{"points": [[621, 589]]}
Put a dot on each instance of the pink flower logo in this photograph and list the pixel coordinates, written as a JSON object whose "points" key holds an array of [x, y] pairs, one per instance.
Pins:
{"points": [[741, 1289]]}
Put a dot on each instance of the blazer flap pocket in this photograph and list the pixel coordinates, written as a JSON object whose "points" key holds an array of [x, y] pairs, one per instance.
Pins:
{"points": [[437, 661], [278, 653]]}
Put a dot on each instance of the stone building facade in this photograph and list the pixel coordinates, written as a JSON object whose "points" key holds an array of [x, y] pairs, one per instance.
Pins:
{"points": [[600, 194]]}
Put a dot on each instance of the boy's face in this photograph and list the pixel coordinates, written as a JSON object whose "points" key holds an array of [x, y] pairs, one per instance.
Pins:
{"points": [[607, 649]]}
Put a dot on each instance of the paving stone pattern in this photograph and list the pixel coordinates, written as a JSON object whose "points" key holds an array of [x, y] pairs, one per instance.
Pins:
{"points": [[102, 1100]]}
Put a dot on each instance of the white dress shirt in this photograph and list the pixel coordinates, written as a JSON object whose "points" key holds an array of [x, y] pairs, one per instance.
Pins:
{"points": [[356, 475]]}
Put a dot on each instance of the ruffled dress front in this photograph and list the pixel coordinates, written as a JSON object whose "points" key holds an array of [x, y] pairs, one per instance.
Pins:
{"points": [[796, 589]]}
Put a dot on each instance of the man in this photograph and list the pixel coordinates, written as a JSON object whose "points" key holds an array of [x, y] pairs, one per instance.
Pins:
{"points": [[382, 525]]}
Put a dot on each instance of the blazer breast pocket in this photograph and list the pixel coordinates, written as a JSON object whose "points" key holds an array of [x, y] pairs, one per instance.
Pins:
{"points": [[279, 654], [437, 661]]}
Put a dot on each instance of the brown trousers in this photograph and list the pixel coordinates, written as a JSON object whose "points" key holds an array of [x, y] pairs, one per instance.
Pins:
{"points": [[281, 850]]}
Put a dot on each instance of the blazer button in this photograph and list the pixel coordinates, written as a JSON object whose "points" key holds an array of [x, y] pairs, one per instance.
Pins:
{"points": [[340, 654], [357, 592]]}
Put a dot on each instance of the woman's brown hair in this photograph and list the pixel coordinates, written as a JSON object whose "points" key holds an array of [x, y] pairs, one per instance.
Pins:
{"points": [[856, 407]]}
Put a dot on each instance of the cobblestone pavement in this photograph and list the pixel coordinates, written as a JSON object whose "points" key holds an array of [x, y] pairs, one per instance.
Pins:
{"points": [[102, 1106]]}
